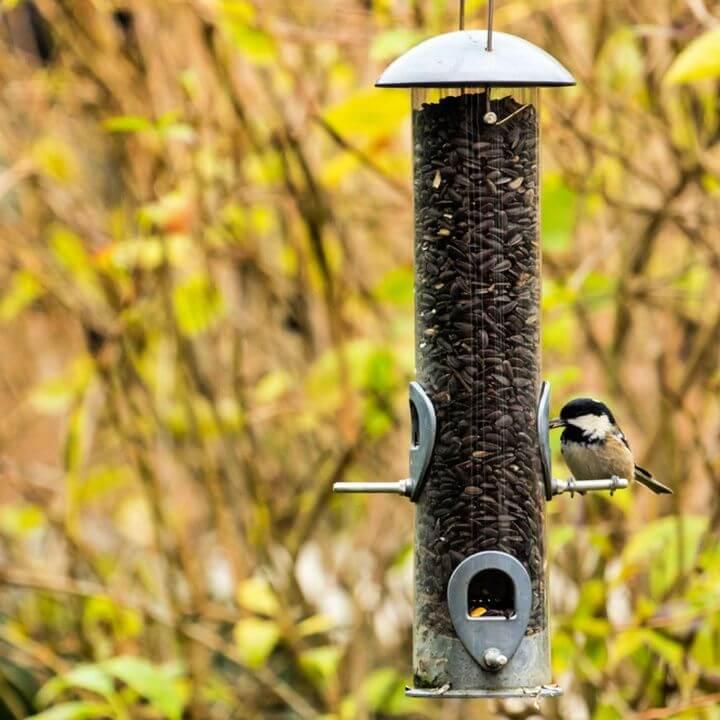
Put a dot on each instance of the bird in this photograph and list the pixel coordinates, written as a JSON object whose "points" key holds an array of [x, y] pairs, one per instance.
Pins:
{"points": [[594, 447]]}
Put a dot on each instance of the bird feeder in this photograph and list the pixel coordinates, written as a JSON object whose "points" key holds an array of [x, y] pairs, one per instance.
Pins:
{"points": [[480, 470]]}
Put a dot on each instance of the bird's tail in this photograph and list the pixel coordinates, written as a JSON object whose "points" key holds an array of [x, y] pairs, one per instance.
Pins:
{"points": [[647, 479]]}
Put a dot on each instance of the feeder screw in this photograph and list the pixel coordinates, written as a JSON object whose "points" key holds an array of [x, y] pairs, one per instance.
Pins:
{"points": [[490, 118], [494, 660]]}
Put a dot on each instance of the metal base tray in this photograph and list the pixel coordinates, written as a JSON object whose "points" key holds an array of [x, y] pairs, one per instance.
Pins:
{"points": [[529, 693]]}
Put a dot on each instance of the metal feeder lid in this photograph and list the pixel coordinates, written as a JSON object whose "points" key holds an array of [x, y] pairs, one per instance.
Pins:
{"points": [[460, 59]]}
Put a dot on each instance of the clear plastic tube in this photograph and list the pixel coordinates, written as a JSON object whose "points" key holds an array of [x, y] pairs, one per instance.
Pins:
{"points": [[477, 296]]}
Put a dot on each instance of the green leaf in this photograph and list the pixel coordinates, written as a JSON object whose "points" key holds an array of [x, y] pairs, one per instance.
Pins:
{"points": [[706, 647], [24, 288], [396, 287], [621, 63], [630, 641], [624, 644], [700, 60], [321, 663], [558, 212], [391, 43], [256, 595], [559, 536], [151, 682], [101, 612], [75, 711], [655, 548], [607, 712], [369, 114], [255, 640], [565, 651], [671, 651], [384, 693], [83, 677], [198, 304]]}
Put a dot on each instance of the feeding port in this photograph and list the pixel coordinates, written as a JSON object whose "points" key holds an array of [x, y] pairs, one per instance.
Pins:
{"points": [[491, 594]]}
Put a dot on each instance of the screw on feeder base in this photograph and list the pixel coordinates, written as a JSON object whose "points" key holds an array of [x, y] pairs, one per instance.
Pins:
{"points": [[493, 660]]}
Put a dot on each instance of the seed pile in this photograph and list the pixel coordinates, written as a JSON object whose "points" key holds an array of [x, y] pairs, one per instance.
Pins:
{"points": [[477, 305]]}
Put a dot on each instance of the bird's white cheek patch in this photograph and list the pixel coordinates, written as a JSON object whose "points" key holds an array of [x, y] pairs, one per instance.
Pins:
{"points": [[594, 427]]}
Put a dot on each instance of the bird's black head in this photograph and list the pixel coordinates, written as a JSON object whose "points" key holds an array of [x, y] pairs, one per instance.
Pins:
{"points": [[585, 420], [585, 406]]}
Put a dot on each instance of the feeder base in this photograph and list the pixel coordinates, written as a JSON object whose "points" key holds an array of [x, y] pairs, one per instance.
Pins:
{"points": [[522, 692]]}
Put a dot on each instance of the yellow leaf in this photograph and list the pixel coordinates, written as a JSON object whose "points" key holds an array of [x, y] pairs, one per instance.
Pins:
{"points": [[255, 640], [18, 520], [55, 159], [315, 625], [134, 520], [700, 60], [238, 22], [369, 114], [198, 304], [256, 595], [24, 288], [391, 43], [272, 386]]}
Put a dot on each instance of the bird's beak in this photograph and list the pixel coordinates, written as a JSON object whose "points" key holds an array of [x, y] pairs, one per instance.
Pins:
{"points": [[556, 423]]}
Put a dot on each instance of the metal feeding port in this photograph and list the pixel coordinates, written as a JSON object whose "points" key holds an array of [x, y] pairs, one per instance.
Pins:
{"points": [[423, 430], [489, 596]]}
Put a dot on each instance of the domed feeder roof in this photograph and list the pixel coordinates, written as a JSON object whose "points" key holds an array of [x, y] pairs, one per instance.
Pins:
{"points": [[461, 59]]}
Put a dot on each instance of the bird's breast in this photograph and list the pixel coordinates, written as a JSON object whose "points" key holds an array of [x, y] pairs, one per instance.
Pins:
{"points": [[598, 460]]}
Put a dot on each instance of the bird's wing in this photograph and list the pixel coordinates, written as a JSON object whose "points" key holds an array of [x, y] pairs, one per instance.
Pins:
{"points": [[618, 433]]}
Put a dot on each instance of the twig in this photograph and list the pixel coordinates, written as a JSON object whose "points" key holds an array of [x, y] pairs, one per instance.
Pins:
{"points": [[675, 710]]}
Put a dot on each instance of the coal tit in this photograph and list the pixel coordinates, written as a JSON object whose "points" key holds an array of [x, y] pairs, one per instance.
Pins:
{"points": [[594, 447]]}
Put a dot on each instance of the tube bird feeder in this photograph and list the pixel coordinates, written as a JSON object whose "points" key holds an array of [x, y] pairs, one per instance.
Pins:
{"points": [[480, 470]]}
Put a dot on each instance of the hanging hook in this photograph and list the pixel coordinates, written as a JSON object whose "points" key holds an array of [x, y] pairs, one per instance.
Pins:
{"points": [[462, 14], [491, 12]]}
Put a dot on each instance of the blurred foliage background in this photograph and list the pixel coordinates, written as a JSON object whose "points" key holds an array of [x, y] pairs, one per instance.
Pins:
{"points": [[206, 308]]}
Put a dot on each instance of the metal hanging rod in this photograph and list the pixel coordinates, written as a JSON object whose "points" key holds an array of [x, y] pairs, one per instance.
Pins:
{"points": [[491, 14], [490, 18]]}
